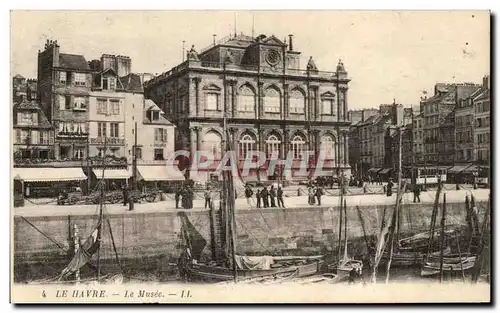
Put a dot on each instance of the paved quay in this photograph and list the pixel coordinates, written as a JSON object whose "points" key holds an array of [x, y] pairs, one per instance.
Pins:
{"points": [[31, 209]]}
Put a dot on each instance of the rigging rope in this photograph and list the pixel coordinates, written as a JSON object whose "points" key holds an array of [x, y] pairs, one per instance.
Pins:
{"points": [[52, 240]]}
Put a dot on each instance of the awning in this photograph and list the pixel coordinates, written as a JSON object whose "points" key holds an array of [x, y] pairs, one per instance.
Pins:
{"points": [[46, 174], [112, 174], [458, 168], [374, 170], [471, 169], [159, 173], [385, 171]]}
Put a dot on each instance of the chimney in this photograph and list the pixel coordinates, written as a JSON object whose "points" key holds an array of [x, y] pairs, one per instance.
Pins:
{"points": [[486, 81], [290, 42]]}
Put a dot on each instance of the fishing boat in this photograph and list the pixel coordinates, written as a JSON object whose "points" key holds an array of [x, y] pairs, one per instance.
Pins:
{"points": [[225, 264], [345, 265], [451, 264]]}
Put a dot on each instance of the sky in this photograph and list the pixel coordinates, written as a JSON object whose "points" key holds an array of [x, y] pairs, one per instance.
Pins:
{"points": [[388, 55]]}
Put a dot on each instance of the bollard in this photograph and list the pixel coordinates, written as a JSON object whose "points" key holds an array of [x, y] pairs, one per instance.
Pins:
{"points": [[457, 187], [298, 192], [130, 204]]}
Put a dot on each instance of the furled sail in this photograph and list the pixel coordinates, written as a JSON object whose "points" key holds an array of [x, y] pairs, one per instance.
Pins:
{"points": [[194, 239], [84, 253]]}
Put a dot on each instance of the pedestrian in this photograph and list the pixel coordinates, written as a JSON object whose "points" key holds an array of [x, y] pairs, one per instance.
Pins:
{"points": [[207, 198], [318, 194], [184, 195], [265, 194], [190, 198], [248, 195], [311, 193], [281, 204], [272, 197], [177, 197], [416, 193], [389, 188], [125, 195], [257, 195]]}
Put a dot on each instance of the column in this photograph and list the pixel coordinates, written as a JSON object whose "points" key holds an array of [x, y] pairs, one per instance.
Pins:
{"points": [[341, 149], [198, 137], [260, 90], [233, 97], [196, 81], [286, 143], [286, 110], [346, 149], [193, 140]]}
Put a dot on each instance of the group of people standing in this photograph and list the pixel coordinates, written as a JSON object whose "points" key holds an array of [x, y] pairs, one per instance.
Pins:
{"points": [[314, 193], [185, 196], [265, 198]]}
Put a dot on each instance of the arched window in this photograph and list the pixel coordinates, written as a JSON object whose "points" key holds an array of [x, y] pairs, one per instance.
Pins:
{"points": [[298, 147], [247, 144], [297, 102], [212, 142], [272, 101], [327, 147], [273, 144], [246, 99]]}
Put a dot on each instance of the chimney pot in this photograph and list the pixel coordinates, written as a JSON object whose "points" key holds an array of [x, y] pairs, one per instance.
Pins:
{"points": [[290, 42]]}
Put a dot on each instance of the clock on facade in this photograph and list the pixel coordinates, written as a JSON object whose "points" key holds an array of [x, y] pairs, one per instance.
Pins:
{"points": [[273, 57]]}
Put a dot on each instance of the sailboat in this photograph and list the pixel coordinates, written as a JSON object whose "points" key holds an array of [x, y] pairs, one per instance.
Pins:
{"points": [[85, 252], [225, 265], [345, 264], [446, 261]]}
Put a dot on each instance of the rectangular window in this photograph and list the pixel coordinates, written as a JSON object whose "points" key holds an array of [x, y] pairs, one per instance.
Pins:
{"points": [[327, 104], [297, 105], [211, 101], [68, 78], [78, 153], [115, 107], [79, 104], [25, 137], [67, 103], [80, 79], [272, 104], [246, 103], [112, 83], [159, 154], [160, 135], [101, 130], [113, 128], [102, 106], [62, 77], [18, 136]]}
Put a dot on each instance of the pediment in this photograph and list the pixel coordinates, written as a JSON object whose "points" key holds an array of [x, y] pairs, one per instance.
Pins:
{"points": [[212, 87], [328, 94], [272, 40]]}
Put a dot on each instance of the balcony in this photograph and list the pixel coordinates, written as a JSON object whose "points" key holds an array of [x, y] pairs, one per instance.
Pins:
{"points": [[73, 135], [246, 68], [109, 140]]}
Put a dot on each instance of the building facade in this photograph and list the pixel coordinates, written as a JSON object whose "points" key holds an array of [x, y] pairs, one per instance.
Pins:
{"points": [[271, 104], [418, 139], [482, 119], [438, 114], [64, 85], [33, 134]]}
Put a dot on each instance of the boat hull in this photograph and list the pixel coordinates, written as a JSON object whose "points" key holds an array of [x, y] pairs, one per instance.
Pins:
{"points": [[206, 273], [450, 265]]}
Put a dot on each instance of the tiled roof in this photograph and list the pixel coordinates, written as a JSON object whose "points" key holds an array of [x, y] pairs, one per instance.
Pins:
{"points": [[17, 76], [73, 61], [132, 82], [32, 105]]}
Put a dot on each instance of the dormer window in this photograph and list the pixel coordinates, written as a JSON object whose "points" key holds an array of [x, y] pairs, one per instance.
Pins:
{"points": [[155, 115], [108, 83]]}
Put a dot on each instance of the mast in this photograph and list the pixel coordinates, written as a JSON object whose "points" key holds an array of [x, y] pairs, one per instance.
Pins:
{"points": [[345, 230], [399, 181], [441, 257], [88, 166], [229, 190], [101, 204], [134, 161], [340, 223]]}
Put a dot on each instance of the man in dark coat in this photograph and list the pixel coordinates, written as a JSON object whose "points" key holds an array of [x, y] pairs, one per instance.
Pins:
{"points": [[272, 197], [389, 188], [207, 198], [125, 195], [177, 197], [281, 204], [265, 200], [257, 195], [416, 193], [248, 195], [318, 194]]}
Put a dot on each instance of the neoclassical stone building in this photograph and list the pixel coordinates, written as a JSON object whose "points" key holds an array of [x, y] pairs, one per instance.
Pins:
{"points": [[270, 103]]}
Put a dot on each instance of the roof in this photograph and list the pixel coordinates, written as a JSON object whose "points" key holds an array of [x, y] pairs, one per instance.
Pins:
{"points": [[33, 105], [149, 106], [132, 83], [73, 61], [18, 76]]}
